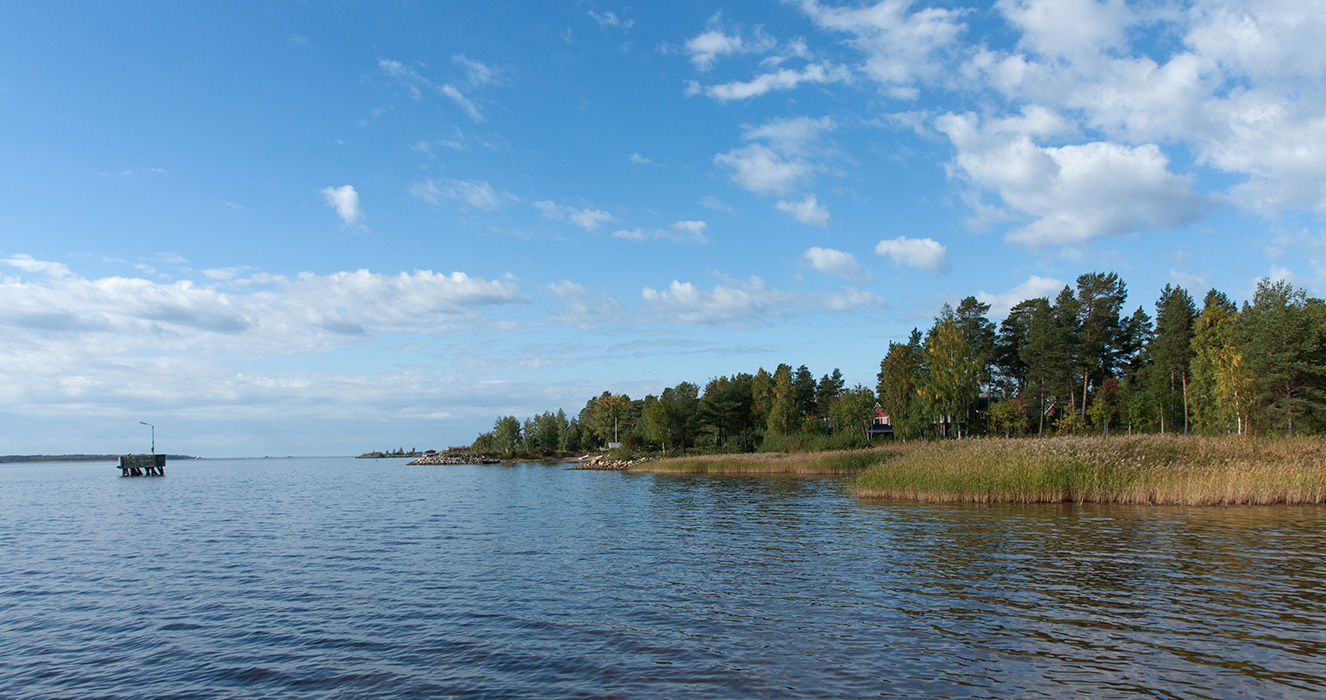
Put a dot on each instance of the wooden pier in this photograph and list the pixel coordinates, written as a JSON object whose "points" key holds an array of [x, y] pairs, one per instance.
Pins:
{"points": [[143, 465]]}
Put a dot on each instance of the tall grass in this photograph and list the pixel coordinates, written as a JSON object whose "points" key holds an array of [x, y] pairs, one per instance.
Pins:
{"points": [[841, 462], [1168, 469]]}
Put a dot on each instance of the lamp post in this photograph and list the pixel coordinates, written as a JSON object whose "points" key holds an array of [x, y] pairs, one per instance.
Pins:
{"points": [[154, 435]]}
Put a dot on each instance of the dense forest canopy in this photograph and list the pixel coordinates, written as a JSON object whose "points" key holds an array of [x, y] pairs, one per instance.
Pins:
{"points": [[1075, 364]]}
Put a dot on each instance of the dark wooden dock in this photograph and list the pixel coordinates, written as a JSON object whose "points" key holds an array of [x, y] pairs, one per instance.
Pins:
{"points": [[143, 465]]}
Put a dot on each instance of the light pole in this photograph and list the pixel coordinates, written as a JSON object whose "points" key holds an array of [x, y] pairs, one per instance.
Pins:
{"points": [[154, 435]]}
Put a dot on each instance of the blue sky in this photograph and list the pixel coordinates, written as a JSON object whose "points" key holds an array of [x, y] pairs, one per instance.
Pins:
{"points": [[278, 228]]}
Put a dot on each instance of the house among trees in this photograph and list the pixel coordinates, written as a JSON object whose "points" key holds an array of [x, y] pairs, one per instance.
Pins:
{"points": [[881, 425]]}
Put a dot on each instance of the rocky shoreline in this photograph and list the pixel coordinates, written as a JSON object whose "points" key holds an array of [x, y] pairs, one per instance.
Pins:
{"points": [[455, 459], [602, 463]]}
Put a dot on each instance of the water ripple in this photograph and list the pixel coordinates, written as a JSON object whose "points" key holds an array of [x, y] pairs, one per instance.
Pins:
{"points": [[346, 578]]}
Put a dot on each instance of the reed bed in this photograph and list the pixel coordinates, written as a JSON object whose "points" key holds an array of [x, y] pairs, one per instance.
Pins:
{"points": [[1147, 469], [839, 463]]}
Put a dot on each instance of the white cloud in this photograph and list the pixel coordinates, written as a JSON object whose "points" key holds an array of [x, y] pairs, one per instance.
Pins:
{"points": [[762, 170], [582, 310], [416, 84], [1193, 282], [922, 253], [473, 193], [690, 230], [784, 79], [705, 48], [735, 303], [781, 157], [345, 200], [465, 103], [1073, 193], [712, 202], [900, 47], [835, 262], [43, 267], [641, 160], [270, 315], [1034, 287], [1069, 29], [477, 72], [610, 19], [808, 211], [680, 232], [588, 219]]}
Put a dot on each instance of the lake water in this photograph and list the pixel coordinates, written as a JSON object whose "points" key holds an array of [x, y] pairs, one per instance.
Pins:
{"points": [[335, 577]]}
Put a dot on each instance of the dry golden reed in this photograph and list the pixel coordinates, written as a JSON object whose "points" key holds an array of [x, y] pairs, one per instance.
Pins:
{"points": [[838, 463], [1145, 469]]}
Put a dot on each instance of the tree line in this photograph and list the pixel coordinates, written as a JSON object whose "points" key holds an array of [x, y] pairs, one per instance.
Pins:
{"points": [[1075, 364]]}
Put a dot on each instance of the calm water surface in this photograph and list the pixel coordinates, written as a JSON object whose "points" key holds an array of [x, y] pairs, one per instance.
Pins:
{"points": [[336, 577]]}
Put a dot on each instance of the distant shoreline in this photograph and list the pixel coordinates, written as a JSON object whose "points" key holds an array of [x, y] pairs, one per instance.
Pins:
{"points": [[22, 459]]}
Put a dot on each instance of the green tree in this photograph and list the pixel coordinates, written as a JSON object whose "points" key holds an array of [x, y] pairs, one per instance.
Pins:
{"points": [[1224, 393], [830, 387], [899, 377], [607, 416], [1172, 353], [1038, 354], [726, 409], [803, 385], [1100, 298], [507, 434], [1283, 342], [854, 409], [784, 416], [954, 372], [1010, 416]]}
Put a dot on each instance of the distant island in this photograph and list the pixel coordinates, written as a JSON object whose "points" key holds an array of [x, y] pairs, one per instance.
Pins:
{"points": [[9, 459], [399, 452]]}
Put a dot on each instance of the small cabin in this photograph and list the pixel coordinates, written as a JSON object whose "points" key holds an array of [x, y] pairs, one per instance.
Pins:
{"points": [[881, 425]]}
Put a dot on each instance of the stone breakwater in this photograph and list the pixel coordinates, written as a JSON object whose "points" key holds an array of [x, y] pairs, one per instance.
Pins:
{"points": [[455, 459], [601, 463]]}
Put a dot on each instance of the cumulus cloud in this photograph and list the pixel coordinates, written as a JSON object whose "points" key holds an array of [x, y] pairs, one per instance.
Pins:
{"points": [[705, 48], [901, 47], [760, 169], [277, 314], [473, 193], [1034, 287], [345, 200], [588, 219], [922, 253], [808, 211], [780, 156], [1075, 192], [835, 262]]}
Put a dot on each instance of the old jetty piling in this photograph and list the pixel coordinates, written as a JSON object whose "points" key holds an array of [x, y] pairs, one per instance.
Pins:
{"points": [[143, 465]]}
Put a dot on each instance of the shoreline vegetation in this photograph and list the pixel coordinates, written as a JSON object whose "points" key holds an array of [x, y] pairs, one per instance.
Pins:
{"points": [[1143, 469], [1139, 470]]}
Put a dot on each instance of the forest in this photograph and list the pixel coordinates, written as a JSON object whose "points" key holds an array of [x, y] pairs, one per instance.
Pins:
{"points": [[1075, 365]]}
